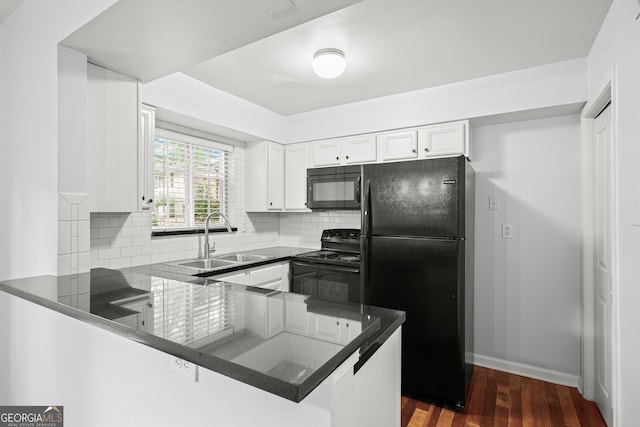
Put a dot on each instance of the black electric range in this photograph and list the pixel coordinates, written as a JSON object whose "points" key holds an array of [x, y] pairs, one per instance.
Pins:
{"points": [[333, 272]]}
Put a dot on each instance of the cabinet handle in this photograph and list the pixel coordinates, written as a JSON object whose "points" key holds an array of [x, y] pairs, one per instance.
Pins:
{"points": [[426, 149], [413, 151], [347, 325], [150, 200], [337, 158], [338, 322], [347, 157]]}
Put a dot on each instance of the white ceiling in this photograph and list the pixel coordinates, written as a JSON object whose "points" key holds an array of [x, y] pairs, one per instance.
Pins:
{"points": [[148, 39], [392, 46], [7, 7]]}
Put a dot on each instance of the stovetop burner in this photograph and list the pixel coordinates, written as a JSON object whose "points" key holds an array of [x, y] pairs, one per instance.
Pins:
{"points": [[340, 246]]}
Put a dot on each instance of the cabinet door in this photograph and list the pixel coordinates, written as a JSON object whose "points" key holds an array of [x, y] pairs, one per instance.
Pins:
{"points": [[326, 328], [275, 305], [442, 140], [112, 141], [398, 145], [349, 329], [275, 176], [359, 149], [145, 158], [263, 275], [296, 161], [296, 315], [326, 153]]}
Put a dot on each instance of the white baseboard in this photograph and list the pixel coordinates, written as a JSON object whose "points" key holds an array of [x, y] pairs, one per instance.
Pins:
{"points": [[527, 370]]}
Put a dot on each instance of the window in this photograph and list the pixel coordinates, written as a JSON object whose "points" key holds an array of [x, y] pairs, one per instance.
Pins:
{"points": [[191, 180]]}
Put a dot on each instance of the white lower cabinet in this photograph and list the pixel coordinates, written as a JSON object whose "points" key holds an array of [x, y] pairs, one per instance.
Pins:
{"points": [[296, 315], [237, 277], [271, 276], [142, 320], [264, 313], [332, 329]]}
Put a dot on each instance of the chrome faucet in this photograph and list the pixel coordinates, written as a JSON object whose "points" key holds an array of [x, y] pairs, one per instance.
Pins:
{"points": [[208, 248]]}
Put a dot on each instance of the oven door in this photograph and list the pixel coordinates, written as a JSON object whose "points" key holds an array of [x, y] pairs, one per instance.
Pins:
{"points": [[328, 282], [333, 188]]}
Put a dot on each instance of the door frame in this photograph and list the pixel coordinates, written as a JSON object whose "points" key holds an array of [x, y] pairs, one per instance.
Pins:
{"points": [[604, 94]]}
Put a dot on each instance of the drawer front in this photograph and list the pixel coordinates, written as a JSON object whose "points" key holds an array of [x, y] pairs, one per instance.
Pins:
{"points": [[264, 275], [236, 278]]}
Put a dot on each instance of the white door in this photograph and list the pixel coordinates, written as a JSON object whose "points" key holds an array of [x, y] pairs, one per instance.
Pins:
{"points": [[602, 192]]}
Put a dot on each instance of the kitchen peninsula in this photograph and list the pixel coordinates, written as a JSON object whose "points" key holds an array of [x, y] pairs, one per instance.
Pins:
{"points": [[155, 346]]}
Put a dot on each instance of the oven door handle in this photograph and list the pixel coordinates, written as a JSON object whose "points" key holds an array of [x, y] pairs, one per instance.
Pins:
{"points": [[326, 267]]}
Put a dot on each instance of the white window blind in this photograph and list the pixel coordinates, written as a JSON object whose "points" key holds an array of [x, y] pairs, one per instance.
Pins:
{"points": [[186, 313], [191, 180]]}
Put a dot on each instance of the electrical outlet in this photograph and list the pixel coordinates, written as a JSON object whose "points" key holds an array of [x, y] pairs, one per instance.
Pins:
{"points": [[507, 233], [184, 368]]}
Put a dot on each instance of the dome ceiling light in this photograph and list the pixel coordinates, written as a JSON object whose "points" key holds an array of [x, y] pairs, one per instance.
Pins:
{"points": [[329, 63]]}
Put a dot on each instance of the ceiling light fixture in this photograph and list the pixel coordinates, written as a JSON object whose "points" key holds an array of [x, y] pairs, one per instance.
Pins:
{"points": [[329, 63]]}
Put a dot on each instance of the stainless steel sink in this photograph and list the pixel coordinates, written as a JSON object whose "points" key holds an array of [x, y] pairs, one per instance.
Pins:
{"points": [[222, 261], [240, 258], [207, 264]]}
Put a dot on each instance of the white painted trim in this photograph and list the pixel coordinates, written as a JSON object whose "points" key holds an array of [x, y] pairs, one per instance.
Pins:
{"points": [[525, 370], [604, 93]]}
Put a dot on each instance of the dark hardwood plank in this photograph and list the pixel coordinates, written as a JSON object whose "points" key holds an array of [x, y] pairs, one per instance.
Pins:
{"points": [[506, 400]]}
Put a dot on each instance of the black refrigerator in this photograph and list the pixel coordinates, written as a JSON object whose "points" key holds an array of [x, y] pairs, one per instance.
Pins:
{"points": [[417, 256]]}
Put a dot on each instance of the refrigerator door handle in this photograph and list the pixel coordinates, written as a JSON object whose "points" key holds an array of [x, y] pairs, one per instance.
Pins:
{"points": [[359, 190], [365, 243], [366, 209]]}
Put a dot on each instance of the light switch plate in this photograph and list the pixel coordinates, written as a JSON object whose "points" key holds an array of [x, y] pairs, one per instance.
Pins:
{"points": [[494, 203], [507, 232]]}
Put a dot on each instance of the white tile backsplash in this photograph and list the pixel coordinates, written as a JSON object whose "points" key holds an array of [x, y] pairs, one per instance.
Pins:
{"points": [[73, 233]]}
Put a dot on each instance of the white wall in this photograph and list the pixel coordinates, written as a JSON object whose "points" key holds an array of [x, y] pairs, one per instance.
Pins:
{"points": [[527, 289], [617, 44], [29, 112], [538, 87]]}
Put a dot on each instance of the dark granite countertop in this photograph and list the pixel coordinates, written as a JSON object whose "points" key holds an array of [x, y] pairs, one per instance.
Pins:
{"points": [[218, 326]]}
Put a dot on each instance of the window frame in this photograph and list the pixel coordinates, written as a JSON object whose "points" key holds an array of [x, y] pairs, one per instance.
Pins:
{"points": [[190, 141]]}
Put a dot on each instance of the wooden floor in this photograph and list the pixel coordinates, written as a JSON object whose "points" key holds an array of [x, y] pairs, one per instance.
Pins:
{"points": [[501, 399]]}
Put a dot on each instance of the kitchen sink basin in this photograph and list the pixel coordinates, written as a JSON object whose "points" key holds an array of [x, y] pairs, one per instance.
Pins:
{"points": [[239, 258], [207, 264], [222, 261]]}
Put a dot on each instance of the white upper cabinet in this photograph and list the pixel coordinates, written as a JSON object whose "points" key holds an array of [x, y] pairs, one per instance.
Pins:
{"points": [[296, 162], [275, 176], [265, 177], [145, 155], [398, 145], [443, 140], [344, 151], [112, 141], [359, 149], [327, 153]]}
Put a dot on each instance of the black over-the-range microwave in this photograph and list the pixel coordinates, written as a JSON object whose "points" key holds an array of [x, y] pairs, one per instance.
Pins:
{"points": [[334, 187]]}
